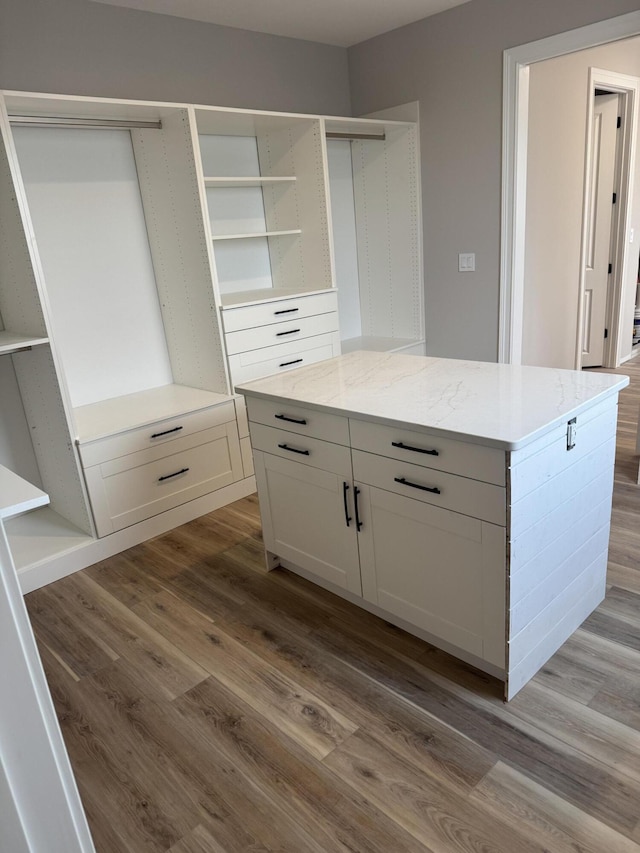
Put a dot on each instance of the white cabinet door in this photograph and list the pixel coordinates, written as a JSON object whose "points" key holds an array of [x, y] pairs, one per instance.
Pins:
{"points": [[304, 518], [439, 570]]}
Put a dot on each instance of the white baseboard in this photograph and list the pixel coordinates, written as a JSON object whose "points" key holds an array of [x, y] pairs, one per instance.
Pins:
{"points": [[45, 572]]}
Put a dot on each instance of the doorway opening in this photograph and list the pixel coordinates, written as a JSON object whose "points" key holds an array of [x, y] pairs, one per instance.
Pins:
{"points": [[517, 63]]}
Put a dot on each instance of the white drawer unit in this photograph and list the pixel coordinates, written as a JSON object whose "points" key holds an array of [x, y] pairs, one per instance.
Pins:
{"points": [[254, 364], [492, 547], [274, 336], [265, 313], [135, 473], [278, 333]]}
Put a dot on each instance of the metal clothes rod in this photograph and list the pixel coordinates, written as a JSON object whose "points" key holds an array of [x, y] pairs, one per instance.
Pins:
{"points": [[378, 137], [82, 123]]}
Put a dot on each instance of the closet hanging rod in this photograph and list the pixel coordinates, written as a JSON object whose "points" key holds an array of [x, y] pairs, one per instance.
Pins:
{"points": [[82, 123], [378, 137]]}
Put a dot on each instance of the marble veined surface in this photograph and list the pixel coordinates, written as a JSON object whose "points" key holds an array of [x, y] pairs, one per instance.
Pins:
{"points": [[498, 404]]}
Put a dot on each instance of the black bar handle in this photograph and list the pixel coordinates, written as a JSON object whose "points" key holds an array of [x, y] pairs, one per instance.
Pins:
{"points": [[356, 492], [294, 450], [405, 482], [166, 432], [345, 489], [300, 421], [286, 311], [290, 332], [175, 474], [287, 363], [404, 446]]}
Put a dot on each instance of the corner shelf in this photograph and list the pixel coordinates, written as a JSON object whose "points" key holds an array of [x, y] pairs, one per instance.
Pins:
{"points": [[10, 342], [250, 181], [252, 235]]}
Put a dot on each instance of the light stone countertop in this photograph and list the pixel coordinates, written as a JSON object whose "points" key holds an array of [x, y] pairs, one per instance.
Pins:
{"points": [[500, 405]]}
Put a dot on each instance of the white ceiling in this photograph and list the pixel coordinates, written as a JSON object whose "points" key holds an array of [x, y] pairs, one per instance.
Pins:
{"points": [[338, 22]]}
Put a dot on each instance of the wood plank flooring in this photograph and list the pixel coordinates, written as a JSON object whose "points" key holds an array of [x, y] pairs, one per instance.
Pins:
{"points": [[210, 708]]}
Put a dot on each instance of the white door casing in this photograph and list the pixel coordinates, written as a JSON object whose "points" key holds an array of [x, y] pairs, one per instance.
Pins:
{"points": [[599, 194]]}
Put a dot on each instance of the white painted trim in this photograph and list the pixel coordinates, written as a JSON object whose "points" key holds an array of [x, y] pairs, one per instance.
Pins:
{"points": [[628, 87], [515, 120], [33, 577]]}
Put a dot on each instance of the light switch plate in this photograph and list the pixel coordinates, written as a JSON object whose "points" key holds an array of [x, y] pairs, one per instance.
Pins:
{"points": [[467, 262]]}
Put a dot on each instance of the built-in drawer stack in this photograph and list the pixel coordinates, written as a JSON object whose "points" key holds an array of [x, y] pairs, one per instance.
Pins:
{"points": [[133, 474], [277, 335]]}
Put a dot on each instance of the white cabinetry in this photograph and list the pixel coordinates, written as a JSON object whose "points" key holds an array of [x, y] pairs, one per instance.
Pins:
{"points": [[408, 538], [477, 497]]}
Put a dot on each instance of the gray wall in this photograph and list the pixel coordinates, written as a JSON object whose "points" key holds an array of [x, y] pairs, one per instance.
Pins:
{"points": [[84, 48], [452, 64]]}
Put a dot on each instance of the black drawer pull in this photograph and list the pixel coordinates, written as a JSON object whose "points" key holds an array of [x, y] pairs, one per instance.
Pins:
{"points": [[404, 446], [294, 450], [166, 432], [356, 492], [286, 311], [287, 363], [300, 421], [175, 474], [290, 332], [405, 482], [347, 517]]}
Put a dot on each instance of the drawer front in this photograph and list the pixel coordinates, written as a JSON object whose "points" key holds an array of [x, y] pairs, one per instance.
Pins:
{"points": [[303, 449], [278, 333], [129, 489], [246, 366], [278, 311], [299, 419], [155, 435], [459, 494], [442, 454]]}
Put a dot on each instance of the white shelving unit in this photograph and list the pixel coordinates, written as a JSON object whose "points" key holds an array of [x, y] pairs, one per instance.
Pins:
{"points": [[375, 208], [151, 256]]}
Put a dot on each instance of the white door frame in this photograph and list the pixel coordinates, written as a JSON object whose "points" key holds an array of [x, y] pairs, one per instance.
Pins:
{"points": [[628, 88], [515, 121]]}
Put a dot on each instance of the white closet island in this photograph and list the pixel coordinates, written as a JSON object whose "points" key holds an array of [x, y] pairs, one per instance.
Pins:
{"points": [[466, 502]]}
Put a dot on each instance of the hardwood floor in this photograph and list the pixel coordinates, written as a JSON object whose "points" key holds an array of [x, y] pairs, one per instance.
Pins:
{"points": [[210, 708]]}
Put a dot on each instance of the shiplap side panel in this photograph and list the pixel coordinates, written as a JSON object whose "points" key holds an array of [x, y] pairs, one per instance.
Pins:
{"points": [[555, 526], [553, 583], [555, 612], [538, 503], [174, 212]]}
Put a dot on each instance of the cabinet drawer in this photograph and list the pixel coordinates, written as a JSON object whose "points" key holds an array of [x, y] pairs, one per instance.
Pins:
{"points": [[278, 311], [299, 419], [443, 454], [469, 497], [246, 366], [128, 489], [304, 449], [278, 333], [154, 435]]}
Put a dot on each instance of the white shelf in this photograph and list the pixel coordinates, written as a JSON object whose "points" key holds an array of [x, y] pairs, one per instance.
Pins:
{"points": [[256, 234], [255, 181], [119, 414], [373, 344], [264, 294], [42, 535], [10, 342], [18, 495]]}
